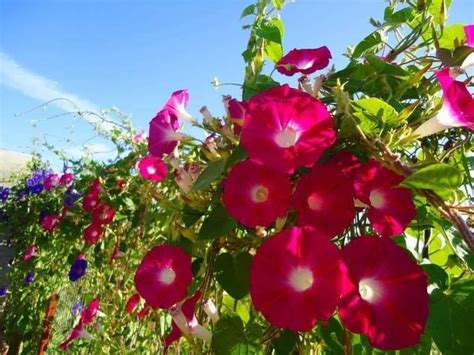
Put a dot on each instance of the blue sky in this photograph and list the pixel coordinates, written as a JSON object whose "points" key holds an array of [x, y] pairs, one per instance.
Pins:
{"points": [[133, 54]]}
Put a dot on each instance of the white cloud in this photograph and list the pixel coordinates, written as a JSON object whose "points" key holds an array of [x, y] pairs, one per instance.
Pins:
{"points": [[33, 85], [106, 151]]}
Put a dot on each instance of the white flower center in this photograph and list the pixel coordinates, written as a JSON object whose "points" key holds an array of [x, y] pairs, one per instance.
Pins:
{"points": [[259, 193], [151, 170], [286, 138], [167, 276], [377, 199], [301, 279], [94, 233], [315, 202], [367, 290], [93, 202]]}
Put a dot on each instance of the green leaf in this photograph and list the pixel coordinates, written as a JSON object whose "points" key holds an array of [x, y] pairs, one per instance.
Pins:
{"points": [[332, 334], [260, 83], [453, 36], [372, 43], [451, 318], [401, 16], [190, 216], [372, 112], [438, 9], [217, 224], [249, 10], [436, 275], [273, 51], [285, 343], [271, 30], [229, 337], [212, 173], [233, 273], [436, 177], [278, 4]]}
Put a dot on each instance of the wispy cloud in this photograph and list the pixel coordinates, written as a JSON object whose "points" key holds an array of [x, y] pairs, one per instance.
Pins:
{"points": [[17, 77], [105, 151]]}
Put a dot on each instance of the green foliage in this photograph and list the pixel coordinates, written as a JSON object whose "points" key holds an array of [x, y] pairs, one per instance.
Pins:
{"points": [[229, 336], [232, 273], [386, 90]]}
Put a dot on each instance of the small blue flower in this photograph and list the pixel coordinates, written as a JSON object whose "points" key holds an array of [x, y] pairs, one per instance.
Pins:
{"points": [[3, 290], [37, 188], [71, 195], [78, 269], [76, 308], [4, 193], [29, 278]]}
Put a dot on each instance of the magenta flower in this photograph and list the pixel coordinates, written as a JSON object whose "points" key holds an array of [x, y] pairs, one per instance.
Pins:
{"points": [[304, 61], [103, 214], [188, 312], [163, 276], [89, 313], [236, 112], [77, 332], [296, 278], [285, 129], [139, 137], [95, 186], [177, 103], [152, 168], [51, 182], [132, 303], [93, 232], [49, 221], [457, 109], [390, 208], [163, 135], [66, 179], [385, 294], [324, 200], [469, 31], [90, 201], [29, 252], [256, 195]]}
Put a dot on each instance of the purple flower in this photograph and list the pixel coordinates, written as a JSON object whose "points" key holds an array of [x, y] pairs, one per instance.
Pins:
{"points": [[4, 193], [78, 269], [71, 195], [76, 308], [29, 278], [37, 188], [3, 290]]}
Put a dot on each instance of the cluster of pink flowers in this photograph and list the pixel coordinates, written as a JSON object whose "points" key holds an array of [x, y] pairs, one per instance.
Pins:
{"points": [[102, 214], [377, 289]]}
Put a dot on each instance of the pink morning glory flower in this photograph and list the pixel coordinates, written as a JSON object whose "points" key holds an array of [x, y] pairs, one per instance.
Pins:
{"points": [[177, 103], [51, 182], [163, 276], [256, 195], [457, 109], [324, 200], [285, 129], [390, 207], [296, 278], [152, 168], [385, 293], [30, 252], [163, 136], [93, 232], [304, 61]]}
